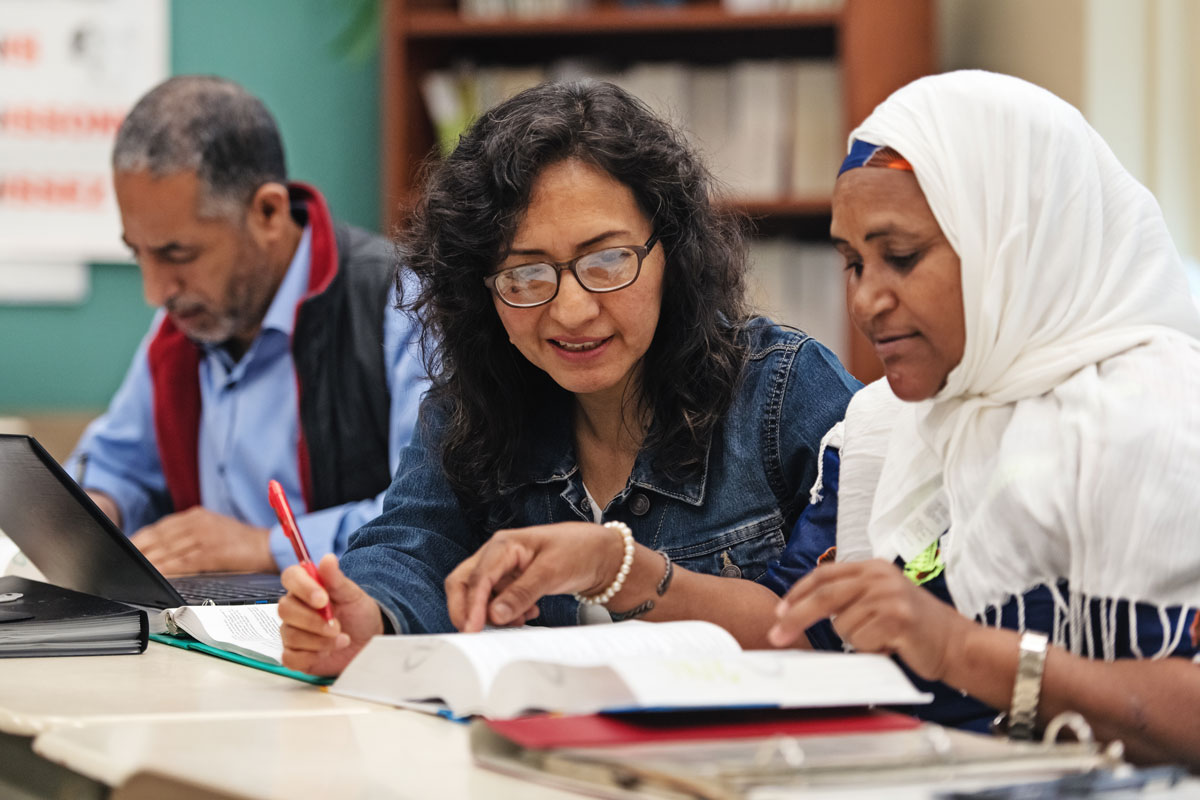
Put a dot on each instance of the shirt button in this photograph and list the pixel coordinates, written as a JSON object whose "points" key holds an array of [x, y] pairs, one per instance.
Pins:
{"points": [[639, 504]]}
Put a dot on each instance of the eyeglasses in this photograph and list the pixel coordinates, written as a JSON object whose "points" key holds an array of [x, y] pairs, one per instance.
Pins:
{"points": [[606, 270]]}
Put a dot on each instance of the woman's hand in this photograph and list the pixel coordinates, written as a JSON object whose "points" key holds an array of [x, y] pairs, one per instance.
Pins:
{"points": [[875, 609], [312, 645], [502, 582]]}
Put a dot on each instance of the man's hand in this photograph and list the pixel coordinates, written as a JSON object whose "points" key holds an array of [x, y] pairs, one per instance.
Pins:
{"points": [[107, 505], [199, 540], [312, 645]]}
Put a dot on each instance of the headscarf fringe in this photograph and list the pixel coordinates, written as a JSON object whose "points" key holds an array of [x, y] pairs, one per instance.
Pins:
{"points": [[832, 438], [1073, 621]]}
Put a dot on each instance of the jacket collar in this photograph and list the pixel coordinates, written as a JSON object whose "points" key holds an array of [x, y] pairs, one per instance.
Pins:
{"points": [[553, 459], [324, 254]]}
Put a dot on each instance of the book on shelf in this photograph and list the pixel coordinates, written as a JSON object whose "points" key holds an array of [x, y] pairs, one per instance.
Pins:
{"points": [[768, 128], [775, 6], [534, 9], [455, 97], [450, 107], [40, 619], [757, 105], [662, 85], [709, 124], [630, 665], [817, 140], [246, 634], [801, 284], [765, 754], [521, 9]]}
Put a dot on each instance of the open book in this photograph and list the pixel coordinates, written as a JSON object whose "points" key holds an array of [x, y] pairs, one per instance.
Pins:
{"points": [[504, 673], [251, 631], [246, 634]]}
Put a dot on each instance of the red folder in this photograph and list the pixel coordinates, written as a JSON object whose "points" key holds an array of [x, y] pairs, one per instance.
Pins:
{"points": [[603, 730]]}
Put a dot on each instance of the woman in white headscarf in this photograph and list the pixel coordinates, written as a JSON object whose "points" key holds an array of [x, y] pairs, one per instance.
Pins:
{"points": [[1031, 311]]}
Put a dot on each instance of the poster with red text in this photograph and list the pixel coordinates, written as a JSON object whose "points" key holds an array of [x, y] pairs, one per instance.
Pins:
{"points": [[69, 72]]}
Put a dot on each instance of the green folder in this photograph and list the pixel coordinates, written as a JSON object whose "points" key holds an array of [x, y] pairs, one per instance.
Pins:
{"points": [[188, 643]]}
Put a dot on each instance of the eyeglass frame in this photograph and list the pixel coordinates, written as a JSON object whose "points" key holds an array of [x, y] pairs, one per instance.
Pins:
{"points": [[641, 252]]}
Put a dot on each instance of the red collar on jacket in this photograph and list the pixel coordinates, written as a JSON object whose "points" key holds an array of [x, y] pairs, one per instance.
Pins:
{"points": [[175, 371]]}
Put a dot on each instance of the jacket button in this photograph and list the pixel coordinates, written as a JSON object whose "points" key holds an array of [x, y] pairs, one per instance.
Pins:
{"points": [[639, 504], [586, 504]]}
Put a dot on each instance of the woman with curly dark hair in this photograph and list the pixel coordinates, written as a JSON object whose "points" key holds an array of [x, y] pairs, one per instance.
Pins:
{"points": [[605, 419]]}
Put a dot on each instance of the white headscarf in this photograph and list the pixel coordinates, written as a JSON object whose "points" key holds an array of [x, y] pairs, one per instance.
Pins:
{"points": [[1063, 445]]}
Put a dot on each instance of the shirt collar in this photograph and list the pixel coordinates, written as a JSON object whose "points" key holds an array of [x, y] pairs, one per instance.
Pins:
{"points": [[281, 314]]}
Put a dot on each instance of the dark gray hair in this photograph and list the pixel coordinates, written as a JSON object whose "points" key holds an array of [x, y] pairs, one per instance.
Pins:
{"points": [[209, 125]]}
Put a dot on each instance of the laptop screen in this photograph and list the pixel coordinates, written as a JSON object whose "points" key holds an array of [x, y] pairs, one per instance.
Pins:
{"points": [[64, 534]]}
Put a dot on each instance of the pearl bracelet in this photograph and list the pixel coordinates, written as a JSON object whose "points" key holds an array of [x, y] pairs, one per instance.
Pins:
{"points": [[622, 573]]}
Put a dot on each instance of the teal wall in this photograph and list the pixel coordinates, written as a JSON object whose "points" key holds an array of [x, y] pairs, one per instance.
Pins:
{"points": [[289, 53]]}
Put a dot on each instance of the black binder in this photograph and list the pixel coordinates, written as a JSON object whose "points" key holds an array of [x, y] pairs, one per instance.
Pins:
{"points": [[39, 619]]}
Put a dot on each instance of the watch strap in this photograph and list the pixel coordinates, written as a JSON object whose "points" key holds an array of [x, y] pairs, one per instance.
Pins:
{"points": [[1027, 688]]}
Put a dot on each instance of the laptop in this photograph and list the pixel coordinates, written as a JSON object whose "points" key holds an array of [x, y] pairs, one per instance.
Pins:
{"points": [[75, 545]]}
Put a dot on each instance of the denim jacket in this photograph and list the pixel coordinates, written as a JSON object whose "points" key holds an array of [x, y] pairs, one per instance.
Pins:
{"points": [[732, 519]]}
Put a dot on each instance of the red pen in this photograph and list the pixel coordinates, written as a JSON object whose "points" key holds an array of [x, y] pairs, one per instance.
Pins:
{"points": [[279, 502]]}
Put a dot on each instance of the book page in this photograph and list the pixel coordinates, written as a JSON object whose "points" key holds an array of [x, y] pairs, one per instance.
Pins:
{"points": [[460, 668], [250, 630], [589, 645], [787, 678], [763, 678]]}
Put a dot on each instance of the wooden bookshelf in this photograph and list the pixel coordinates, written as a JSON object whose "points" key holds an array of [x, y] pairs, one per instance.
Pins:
{"points": [[608, 21], [880, 45]]}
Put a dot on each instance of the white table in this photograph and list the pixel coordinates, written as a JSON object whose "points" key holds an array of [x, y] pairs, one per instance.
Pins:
{"points": [[388, 755], [232, 731], [179, 724], [38, 694]]}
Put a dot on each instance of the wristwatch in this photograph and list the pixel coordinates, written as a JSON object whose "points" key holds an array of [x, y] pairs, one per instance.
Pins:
{"points": [[1031, 662]]}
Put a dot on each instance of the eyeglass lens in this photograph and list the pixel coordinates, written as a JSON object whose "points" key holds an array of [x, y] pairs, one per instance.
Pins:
{"points": [[603, 270]]}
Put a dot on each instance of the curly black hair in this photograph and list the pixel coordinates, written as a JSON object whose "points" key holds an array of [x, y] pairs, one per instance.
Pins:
{"points": [[472, 204]]}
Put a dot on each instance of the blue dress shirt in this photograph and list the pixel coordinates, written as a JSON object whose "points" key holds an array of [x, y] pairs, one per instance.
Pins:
{"points": [[249, 429]]}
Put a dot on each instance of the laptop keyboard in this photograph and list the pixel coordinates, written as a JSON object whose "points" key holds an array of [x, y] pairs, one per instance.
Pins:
{"points": [[196, 589]]}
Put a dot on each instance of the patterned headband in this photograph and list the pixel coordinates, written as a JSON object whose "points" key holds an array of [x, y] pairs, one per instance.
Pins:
{"points": [[865, 154]]}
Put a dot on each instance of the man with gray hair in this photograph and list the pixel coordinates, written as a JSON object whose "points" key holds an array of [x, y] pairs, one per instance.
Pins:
{"points": [[276, 354]]}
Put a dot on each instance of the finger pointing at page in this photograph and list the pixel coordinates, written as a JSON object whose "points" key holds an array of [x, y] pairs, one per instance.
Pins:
{"points": [[470, 586], [502, 582]]}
